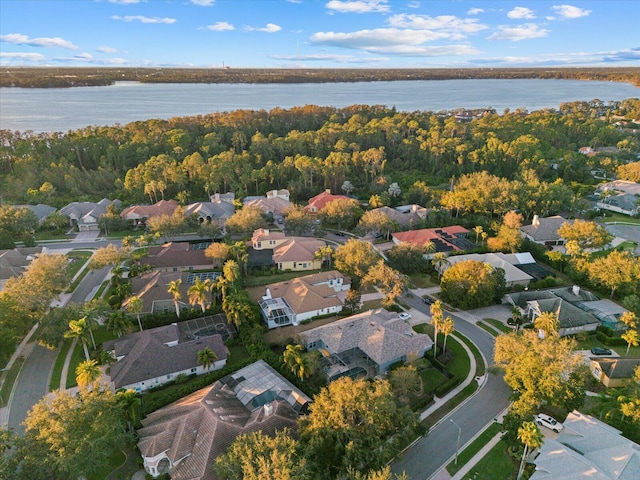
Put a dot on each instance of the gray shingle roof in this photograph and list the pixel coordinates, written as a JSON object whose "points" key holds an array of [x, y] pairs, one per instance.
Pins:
{"points": [[198, 428], [618, 367], [547, 230], [382, 335]]}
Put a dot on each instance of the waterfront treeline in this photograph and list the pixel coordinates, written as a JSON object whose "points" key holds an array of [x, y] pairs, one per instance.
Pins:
{"points": [[308, 149], [52, 77]]}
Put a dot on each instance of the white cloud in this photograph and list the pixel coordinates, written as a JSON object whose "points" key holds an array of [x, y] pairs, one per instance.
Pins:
{"points": [[569, 58], [143, 19], [358, 6], [203, 3], [31, 57], [269, 28], [520, 32], [475, 11], [126, 2], [413, 4], [220, 27], [20, 39], [521, 12], [392, 41], [445, 23], [107, 50], [83, 56], [569, 11]]}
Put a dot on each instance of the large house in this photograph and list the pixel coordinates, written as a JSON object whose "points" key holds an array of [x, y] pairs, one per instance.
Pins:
{"points": [[41, 211], [177, 256], [622, 197], [508, 262], [614, 371], [544, 231], [302, 298], [366, 344], [445, 239], [85, 215], [13, 263], [152, 289], [405, 216], [156, 356], [210, 212], [587, 449], [289, 253], [140, 213], [184, 438], [317, 203], [571, 318], [273, 204]]}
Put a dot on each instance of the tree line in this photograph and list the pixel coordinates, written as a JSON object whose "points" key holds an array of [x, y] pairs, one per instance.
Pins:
{"points": [[307, 149]]}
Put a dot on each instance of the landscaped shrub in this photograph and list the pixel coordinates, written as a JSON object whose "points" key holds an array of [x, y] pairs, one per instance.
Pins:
{"points": [[446, 386], [606, 330]]}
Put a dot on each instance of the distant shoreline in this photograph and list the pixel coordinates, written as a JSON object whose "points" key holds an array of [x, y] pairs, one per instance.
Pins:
{"points": [[68, 77]]}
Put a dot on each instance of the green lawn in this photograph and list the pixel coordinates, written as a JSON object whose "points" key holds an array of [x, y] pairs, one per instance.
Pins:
{"points": [[116, 459], [79, 259], [57, 367], [424, 328], [613, 217], [236, 353], [487, 328], [460, 364], [432, 378], [76, 359], [496, 465], [10, 379], [592, 341], [476, 445], [42, 235], [499, 325], [251, 281], [422, 280], [480, 366], [371, 305]]}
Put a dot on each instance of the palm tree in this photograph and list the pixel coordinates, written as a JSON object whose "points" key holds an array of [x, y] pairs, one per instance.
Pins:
{"points": [[324, 254], [429, 247], [87, 372], [130, 402], [231, 271], [530, 435], [79, 329], [439, 261], [91, 314], [134, 305], [547, 323], [448, 327], [296, 361], [118, 322], [207, 357], [478, 230], [629, 319], [631, 337], [174, 289], [198, 293], [436, 321]]}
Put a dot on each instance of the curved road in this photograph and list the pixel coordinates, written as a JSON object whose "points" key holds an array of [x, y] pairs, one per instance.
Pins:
{"points": [[432, 451], [33, 381]]}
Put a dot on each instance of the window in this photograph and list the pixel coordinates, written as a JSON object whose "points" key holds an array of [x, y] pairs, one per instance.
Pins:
{"points": [[169, 377], [193, 370], [175, 269]]}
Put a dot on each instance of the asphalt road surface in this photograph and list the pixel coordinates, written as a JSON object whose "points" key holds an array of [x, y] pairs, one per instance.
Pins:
{"points": [[434, 450]]}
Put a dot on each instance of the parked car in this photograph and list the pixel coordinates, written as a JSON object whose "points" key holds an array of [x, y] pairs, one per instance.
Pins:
{"points": [[600, 351], [405, 316], [340, 234], [549, 422], [427, 300]]}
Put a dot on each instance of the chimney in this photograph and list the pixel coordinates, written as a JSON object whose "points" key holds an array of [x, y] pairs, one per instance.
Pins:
{"points": [[268, 409], [536, 221], [576, 290]]}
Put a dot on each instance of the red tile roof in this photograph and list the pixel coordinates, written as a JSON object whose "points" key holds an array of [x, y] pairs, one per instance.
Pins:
{"points": [[320, 201]]}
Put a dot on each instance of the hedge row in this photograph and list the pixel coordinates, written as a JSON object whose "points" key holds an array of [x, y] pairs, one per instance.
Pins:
{"points": [[446, 386], [610, 341]]}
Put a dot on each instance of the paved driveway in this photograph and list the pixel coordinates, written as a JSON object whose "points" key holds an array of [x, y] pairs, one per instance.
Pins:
{"points": [[628, 232]]}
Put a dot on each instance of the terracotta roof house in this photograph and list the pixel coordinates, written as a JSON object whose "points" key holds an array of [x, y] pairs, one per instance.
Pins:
{"points": [[175, 256], [274, 203], [544, 230], [152, 289], [614, 371], [184, 438], [366, 344], [142, 212], [572, 319], [153, 357], [289, 253], [587, 448], [320, 201], [513, 275], [207, 212], [446, 239], [14, 262], [86, 214], [41, 211], [292, 301]]}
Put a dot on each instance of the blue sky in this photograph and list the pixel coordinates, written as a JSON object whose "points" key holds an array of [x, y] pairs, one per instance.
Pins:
{"points": [[319, 33]]}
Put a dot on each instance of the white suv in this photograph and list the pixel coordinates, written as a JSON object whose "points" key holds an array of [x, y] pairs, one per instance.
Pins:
{"points": [[549, 422], [405, 316]]}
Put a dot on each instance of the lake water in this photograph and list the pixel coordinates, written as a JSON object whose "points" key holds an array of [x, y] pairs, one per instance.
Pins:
{"points": [[63, 109]]}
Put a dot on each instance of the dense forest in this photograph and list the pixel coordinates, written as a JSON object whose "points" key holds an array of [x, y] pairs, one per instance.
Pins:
{"points": [[49, 77], [307, 149]]}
